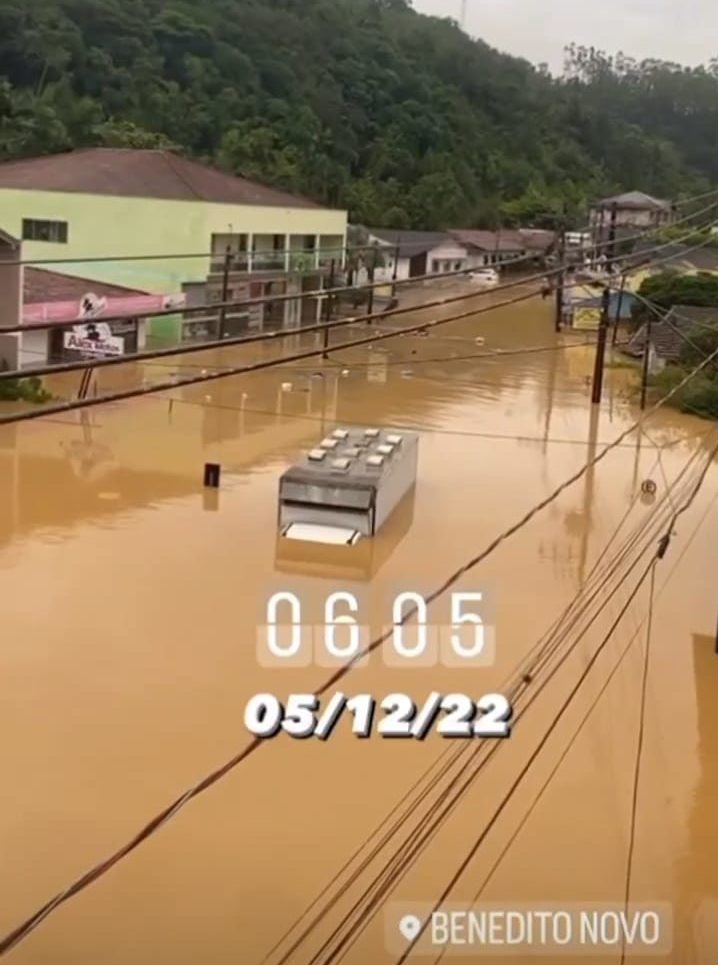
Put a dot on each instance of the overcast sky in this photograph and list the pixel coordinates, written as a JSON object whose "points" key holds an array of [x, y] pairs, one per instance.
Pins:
{"points": [[685, 31]]}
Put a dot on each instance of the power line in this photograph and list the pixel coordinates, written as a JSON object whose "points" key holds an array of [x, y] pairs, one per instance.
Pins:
{"points": [[658, 555], [424, 429], [639, 752], [22, 931], [517, 782], [545, 785], [406, 861], [529, 667], [133, 393], [325, 292], [318, 293], [321, 249]]}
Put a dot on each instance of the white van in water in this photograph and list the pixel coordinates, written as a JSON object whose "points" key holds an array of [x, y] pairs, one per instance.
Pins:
{"points": [[485, 277]]}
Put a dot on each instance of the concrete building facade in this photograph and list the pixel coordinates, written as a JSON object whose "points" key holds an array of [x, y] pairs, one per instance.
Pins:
{"points": [[154, 221]]}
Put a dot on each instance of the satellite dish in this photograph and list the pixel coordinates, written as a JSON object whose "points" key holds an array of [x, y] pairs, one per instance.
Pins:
{"points": [[92, 305]]}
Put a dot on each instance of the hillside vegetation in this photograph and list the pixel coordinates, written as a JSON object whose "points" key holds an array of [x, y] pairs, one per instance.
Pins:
{"points": [[358, 103]]}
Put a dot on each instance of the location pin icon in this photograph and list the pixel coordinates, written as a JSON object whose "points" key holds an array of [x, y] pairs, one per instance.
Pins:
{"points": [[410, 926]]}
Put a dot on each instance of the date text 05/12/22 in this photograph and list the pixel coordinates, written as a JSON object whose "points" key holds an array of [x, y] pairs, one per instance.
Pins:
{"points": [[456, 715]]}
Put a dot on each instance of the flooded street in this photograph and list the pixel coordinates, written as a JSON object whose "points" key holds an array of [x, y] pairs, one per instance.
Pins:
{"points": [[130, 606]]}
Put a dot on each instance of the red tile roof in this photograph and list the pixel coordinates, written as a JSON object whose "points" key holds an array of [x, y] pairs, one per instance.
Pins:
{"points": [[126, 172], [40, 286]]}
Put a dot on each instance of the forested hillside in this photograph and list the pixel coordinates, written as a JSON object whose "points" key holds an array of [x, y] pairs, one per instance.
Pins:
{"points": [[359, 103]]}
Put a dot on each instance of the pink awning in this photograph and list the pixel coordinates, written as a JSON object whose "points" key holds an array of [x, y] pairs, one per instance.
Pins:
{"points": [[109, 307]]}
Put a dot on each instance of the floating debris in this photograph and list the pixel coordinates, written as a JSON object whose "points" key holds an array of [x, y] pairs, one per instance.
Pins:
{"points": [[345, 372]]}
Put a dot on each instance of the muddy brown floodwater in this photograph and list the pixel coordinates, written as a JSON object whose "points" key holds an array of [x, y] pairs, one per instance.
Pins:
{"points": [[128, 650]]}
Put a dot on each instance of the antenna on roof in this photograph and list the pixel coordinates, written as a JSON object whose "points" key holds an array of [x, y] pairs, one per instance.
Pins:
{"points": [[463, 14]]}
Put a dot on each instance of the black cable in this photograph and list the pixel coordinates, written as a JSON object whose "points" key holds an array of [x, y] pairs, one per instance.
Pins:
{"points": [[432, 833], [658, 555], [517, 782], [281, 333], [639, 756], [386, 247], [24, 929], [391, 878], [544, 787], [411, 808]]}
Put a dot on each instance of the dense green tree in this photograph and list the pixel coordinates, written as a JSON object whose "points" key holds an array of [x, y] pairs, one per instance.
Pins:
{"points": [[360, 103], [669, 288]]}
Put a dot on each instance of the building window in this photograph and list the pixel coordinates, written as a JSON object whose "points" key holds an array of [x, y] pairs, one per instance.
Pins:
{"points": [[33, 230], [457, 266], [435, 267]]}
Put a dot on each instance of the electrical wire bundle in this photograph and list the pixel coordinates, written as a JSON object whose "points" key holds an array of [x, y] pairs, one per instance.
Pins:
{"points": [[546, 659], [530, 681], [279, 334]]}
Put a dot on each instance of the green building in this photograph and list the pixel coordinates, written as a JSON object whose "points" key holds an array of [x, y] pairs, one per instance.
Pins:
{"points": [[153, 221]]}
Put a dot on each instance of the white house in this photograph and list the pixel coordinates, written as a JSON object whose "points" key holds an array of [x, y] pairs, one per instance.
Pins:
{"points": [[417, 253], [634, 209], [488, 248]]}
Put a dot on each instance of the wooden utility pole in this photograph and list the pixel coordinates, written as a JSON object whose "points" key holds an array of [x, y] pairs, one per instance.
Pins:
{"points": [[646, 360], [328, 310], [372, 273], [601, 348], [612, 234], [395, 275], [619, 306], [560, 281], [225, 289]]}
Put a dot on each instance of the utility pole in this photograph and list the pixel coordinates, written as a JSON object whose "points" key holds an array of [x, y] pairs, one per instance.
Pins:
{"points": [[328, 311], [561, 278], [225, 289], [612, 233], [601, 348], [646, 360], [395, 275], [617, 319], [372, 273]]}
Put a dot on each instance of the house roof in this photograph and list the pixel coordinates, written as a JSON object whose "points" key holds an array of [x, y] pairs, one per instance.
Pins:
{"points": [[410, 243], [502, 241], [633, 199], [41, 286], [126, 172], [537, 239], [688, 320]]}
